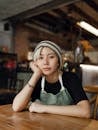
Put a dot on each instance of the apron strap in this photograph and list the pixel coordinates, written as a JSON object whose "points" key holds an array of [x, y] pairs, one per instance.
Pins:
{"points": [[61, 82], [43, 83]]}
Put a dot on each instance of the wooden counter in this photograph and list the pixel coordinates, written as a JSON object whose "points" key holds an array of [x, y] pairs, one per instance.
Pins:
{"points": [[25, 120]]}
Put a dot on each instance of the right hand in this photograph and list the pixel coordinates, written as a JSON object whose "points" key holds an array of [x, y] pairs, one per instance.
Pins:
{"points": [[34, 67]]}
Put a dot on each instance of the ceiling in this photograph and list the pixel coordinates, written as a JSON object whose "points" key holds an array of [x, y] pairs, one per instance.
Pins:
{"points": [[56, 16]]}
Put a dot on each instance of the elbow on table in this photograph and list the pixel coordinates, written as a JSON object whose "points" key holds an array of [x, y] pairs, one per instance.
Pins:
{"points": [[85, 110], [16, 108], [86, 113]]}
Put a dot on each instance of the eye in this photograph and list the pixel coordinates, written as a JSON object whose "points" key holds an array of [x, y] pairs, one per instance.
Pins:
{"points": [[41, 57], [51, 56]]}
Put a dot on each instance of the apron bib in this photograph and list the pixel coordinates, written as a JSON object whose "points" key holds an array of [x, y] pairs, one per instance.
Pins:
{"points": [[61, 98]]}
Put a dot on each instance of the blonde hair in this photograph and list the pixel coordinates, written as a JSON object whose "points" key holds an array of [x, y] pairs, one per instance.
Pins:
{"points": [[36, 55]]}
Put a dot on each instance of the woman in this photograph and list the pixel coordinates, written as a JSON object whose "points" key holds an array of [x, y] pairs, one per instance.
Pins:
{"points": [[50, 89]]}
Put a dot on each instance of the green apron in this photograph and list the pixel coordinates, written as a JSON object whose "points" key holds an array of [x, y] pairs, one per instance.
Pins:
{"points": [[61, 98]]}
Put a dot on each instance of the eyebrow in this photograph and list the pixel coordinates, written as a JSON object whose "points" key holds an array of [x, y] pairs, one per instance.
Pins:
{"points": [[51, 53]]}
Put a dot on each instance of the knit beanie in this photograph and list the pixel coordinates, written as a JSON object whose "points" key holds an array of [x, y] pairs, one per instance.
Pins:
{"points": [[52, 46]]}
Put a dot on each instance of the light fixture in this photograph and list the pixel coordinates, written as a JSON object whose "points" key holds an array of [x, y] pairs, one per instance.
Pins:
{"points": [[88, 27]]}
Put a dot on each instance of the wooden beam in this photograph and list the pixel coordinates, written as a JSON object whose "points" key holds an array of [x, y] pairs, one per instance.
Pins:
{"points": [[42, 9], [92, 4]]}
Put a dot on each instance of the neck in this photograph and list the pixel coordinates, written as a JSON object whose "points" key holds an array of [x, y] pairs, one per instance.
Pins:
{"points": [[53, 77]]}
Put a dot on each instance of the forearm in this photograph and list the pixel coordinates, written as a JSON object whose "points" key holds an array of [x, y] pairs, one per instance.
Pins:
{"points": [[23, 97], [70, 110], [81, 109]]}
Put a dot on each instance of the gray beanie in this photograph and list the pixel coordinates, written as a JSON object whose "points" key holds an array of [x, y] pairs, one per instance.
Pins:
{"points": [[52, 46]]}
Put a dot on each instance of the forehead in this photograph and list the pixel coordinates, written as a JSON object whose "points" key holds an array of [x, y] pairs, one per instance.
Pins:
{"points": [[47, 50]]}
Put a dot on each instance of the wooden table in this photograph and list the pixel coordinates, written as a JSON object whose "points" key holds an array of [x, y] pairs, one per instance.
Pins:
{"points": [[25, 120]]}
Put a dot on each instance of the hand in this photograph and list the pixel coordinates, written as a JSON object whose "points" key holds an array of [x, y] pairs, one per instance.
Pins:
{"points": [[36, 107], [34, 67]]}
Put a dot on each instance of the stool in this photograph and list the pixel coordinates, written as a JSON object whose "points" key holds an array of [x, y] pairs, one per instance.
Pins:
{"points": [[94, 100]]}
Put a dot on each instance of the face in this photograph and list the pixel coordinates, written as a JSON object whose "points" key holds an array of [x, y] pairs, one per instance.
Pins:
{"points": [[48, 61]]}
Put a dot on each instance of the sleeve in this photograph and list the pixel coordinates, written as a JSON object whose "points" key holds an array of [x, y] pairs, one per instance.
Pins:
{"points": [[75, 88]]}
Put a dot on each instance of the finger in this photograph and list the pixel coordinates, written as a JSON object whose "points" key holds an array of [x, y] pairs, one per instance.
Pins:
{"points": [[30, 109]]}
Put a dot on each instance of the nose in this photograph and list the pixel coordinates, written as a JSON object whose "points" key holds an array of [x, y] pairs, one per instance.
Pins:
{"points": [[46, 61]]}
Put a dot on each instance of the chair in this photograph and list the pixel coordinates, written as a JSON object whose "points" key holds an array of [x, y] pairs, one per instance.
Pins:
{"points": [[19, 84], [6, 96], [93, 89]]}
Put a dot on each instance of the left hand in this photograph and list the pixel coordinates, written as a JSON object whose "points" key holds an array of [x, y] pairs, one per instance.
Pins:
{"points": [[36, 107]]}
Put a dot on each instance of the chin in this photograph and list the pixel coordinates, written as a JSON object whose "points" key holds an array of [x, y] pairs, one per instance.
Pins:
{"points": [[47, 73]]}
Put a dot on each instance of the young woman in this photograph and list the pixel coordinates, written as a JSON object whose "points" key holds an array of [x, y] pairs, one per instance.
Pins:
{"points": [[50, 89]]}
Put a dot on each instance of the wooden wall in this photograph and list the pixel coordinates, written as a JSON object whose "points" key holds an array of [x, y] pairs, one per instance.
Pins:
{"points": [[25, 36]]}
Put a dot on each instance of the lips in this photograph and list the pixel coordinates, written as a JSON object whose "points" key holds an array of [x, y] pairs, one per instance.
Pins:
{"points": [[46, 69]]}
